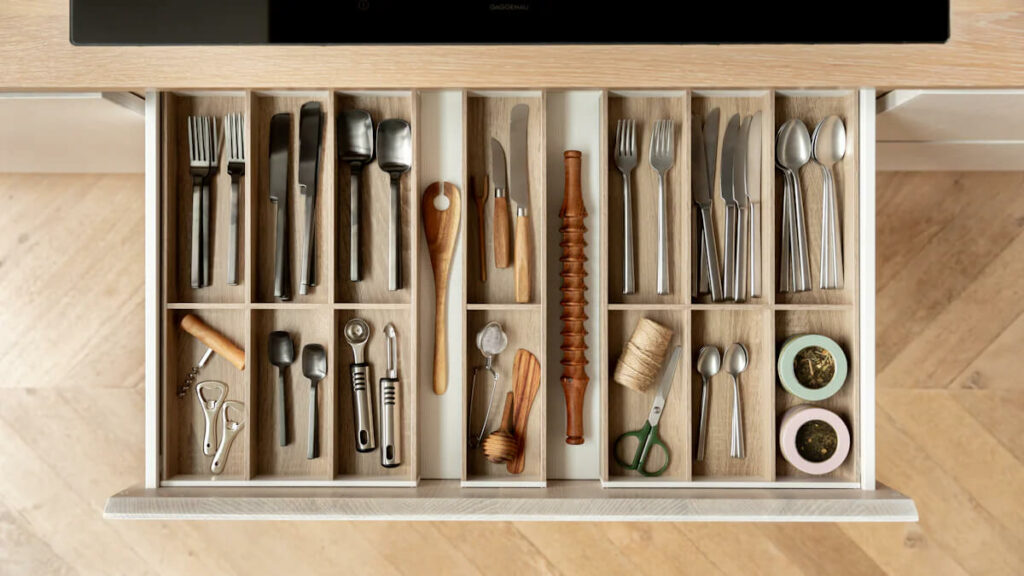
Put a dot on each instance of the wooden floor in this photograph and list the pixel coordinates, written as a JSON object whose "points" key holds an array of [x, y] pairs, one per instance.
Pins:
{"points": [[950, 415]]}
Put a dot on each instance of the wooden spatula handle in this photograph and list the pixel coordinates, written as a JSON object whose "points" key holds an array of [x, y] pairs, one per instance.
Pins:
{"points": [[215, 340], [502, 242]]}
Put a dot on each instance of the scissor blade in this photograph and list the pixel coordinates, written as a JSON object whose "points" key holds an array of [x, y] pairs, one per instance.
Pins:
{"points": [[667, 377]]}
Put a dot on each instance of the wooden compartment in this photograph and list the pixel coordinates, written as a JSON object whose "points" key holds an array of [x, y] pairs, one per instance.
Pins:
{"points": [[488, 115], [841, 326], [627, 409], [525, 329], [271, 461], [721, 328], [183, 459], [811, 107], [264, 213], [375, 199], [744, 103], [352, 467], [647, 108], [177, 200]]}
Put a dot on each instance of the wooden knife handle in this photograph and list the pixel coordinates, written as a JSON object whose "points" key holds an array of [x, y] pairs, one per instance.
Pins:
{"points": [[522, 258], [502, 249], [215, 340], [480, 199]]}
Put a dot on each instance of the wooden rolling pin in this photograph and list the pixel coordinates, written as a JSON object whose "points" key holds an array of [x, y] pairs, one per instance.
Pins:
{"points": [[214, 340], [526, 373], [574, 299]]}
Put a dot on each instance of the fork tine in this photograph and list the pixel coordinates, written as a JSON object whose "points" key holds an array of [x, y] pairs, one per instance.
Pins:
{"points": [[618, 138], [632, 137]]}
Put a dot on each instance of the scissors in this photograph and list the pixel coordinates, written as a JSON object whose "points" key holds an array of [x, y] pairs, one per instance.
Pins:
{"points": [[648, 435]]}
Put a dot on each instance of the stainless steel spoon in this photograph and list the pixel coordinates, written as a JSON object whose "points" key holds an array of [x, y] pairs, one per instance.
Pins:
{"points": [[736, 361], [793, 152], [829, 148], [394, 156], [314, 367], [281, 352], [709, 362], [355, 147]]}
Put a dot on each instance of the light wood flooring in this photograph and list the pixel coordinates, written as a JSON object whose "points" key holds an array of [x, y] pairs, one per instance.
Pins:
{"points": [[950, 415]]}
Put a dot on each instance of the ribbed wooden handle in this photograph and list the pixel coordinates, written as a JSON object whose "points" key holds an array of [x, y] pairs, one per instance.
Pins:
{"points": [[502, 245], [574, 298], [215, 340], [522, 259]]}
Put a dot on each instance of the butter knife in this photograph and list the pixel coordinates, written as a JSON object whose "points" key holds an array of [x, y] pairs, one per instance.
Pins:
{"points": [[742, 210], [728, 193], [754, 193], [310, 131], [701, 191]]}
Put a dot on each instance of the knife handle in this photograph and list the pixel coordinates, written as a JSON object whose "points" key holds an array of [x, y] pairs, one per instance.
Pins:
{"points": [[755, 249], [711, 253], [282, 268], [197, 217], [729, 273], [502, 255], [307, 247], [742, 229], [522, 258]]}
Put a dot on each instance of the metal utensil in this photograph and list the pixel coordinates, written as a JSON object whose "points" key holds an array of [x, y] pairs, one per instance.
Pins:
{"points": [[203, 152], [710, 144], [281, 353], [357, 333], [280, 157], [310, 142], [728, 193], [701, 190], [314, 367], [502, 251], [211, 409], [491, 340], [355, 148], [709, 362], [390, 406], [625, 161], [663, 156], [736, 361], [828, 148], [229, 428], [739, 180], [753, 178], [648, 439], [234, 133], [394, 156], [794, 150], [519, 177]]}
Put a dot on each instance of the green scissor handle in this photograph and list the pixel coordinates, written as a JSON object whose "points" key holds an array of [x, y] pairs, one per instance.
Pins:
{"points": [[648, 439]]}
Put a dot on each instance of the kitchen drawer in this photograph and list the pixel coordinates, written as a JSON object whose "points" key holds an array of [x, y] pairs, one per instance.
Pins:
{"points": [[440, 477]]}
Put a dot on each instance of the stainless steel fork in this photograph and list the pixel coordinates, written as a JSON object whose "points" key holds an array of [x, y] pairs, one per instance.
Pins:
{"points": [[625, 161], [202, 154], [234, 133], [662, 158]]}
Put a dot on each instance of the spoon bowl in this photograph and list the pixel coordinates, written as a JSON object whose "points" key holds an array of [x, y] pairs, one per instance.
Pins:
{"points": [[829, 141], [793, 149], [736, 359]]}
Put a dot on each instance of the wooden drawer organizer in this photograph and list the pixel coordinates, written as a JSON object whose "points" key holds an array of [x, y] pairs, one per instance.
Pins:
{"points": [[440, 477]]}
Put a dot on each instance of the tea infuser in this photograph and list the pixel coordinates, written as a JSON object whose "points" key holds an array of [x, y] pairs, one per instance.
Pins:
{"points": [[491, 340]]}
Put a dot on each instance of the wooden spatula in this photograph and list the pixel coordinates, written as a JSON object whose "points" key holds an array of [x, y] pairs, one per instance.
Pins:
{"points": [[442, 207], [526, 373]]}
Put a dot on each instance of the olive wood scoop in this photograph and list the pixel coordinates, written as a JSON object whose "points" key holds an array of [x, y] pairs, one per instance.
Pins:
{"points": [[441, 207], [526, 374]]}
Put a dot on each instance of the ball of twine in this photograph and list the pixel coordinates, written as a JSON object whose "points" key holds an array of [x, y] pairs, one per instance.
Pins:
{"points": [[643, 355]]}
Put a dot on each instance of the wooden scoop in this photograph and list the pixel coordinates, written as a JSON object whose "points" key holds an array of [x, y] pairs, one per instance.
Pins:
{"points": [[442, 207], [502, 445], [526, 372]]}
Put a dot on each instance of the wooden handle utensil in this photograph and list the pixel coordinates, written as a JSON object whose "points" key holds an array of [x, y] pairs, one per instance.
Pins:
{"points": [[574, 301], [214, 340], [526, 372], [480, 199], [502, 245], [502, 445], [441, 207]]}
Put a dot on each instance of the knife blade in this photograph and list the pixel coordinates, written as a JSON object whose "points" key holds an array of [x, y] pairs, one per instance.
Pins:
{"points": [[711, 144], [502, 252], [754, 192], [310, 131], [742, 206], [728, 194], [520, 194], [702, 198], [280, 138]]}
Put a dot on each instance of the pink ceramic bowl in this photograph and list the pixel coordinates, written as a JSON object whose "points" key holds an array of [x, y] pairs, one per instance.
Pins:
{"points": [[796, 417]]}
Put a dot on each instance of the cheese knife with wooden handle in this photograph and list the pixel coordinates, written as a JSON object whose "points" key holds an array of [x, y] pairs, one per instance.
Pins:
{"points": [[520, 193], [502, 248]]}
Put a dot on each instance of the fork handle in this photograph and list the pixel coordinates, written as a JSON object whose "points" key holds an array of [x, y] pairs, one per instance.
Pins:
{"points": [[197, 213], [233, 235], [628, 259], [663, 284]]}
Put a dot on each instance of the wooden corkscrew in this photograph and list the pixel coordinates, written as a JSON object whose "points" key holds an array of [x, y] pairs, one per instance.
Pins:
{"points": [[574, 298]]}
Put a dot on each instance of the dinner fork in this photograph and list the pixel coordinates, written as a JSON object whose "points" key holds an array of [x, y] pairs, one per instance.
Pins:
{"points": [[625, 161], [202, 154], [234, 133], [662, 159]]}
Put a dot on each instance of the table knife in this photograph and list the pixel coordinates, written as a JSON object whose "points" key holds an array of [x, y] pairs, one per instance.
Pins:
{"points": [[754, 193], [739, 180], [710, 134], [702, 197], [502, 255], [728, 193], [280, 138], [520, 193], [310, 131]]}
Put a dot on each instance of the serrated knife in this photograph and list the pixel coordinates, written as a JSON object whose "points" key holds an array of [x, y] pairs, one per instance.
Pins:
{"points": [[728, 193], [519, 191], [754, 192], [702, 198]]}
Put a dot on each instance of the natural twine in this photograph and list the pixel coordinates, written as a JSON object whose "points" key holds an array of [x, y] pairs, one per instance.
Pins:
{"points": [[643, 355]]}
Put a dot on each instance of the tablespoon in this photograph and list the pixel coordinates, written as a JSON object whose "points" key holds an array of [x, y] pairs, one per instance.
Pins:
{"points": [[794, 151], [829, 148], [736, 361], [709, 362]]}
